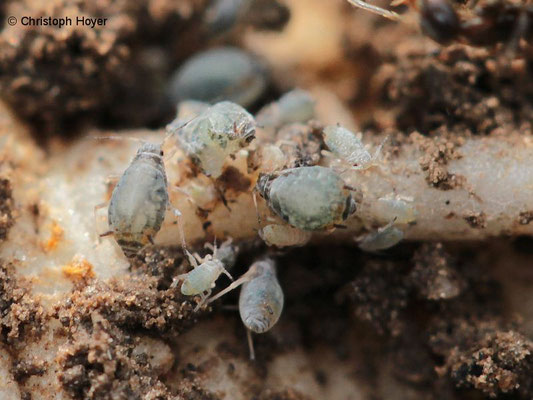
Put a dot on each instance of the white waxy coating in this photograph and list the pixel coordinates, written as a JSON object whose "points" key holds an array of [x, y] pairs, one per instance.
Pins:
{"points": [[308, 198], [215, 134], [284, 236], [382, 239], [346, 145], [261, 298], [139, 200]]}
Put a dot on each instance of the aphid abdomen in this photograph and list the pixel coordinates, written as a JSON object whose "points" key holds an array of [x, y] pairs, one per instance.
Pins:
{"points": [[309, 198], [138, 203], [284, 235], [383, 239], [215, 134], [201, 278], [261, 299]]}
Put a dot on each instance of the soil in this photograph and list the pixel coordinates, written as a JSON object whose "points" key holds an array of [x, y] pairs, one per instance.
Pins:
{"points": [[435, 313]]}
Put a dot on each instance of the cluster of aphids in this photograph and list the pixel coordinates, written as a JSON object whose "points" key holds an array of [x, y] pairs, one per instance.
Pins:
{"points": [[494, 21], [305, 196]]}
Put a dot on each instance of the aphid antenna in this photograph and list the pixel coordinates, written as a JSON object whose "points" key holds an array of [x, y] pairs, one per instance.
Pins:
{"points": [[248, 276], [375, 9], [119, 137], [250, 344], [254, 197], [96, 208], [171, 132]]}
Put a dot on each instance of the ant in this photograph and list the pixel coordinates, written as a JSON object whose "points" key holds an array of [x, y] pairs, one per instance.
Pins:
{"points": [[494, 22]]}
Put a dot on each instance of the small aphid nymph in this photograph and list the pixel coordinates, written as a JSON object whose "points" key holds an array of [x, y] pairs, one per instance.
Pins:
{"points": [[201, 280], [345, 145], [284, 236], [139, 201], [397, 208], [384, 238], [308, 198], [215, 134]]}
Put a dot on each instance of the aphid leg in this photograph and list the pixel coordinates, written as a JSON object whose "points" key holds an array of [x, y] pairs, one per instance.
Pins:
{"points": [[254, 197], [108, 233], [177, 214], [150, 239], [250, 344], [203, 299], [183, 191], [375, 9], [245, 278], [191, 259], [224, 271], [339, 226], [177, 279], [96, 208]]}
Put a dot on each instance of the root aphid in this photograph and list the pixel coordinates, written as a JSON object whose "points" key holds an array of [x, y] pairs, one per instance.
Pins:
{"points": [[308, 198], [225, 73], [139, 201], [217, 133], [384, 238], [400, 209], [261, 298], [201, 280], [295, 106], [284, 236], [349, 148]]}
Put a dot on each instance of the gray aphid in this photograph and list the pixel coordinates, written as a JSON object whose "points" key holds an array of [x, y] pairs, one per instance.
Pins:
{"points": [[215, 134], [139, 200], [384, 238], [261, 298], [308, 198], [295, 106], [225, 73]]}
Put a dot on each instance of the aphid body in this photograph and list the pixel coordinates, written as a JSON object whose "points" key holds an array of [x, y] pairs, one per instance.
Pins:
{"points": [[295, 106], [225, 73], [284, 235], [308, 198], [384, 238], [139, 200], [399, 209], [261, 298], [202, 278], [348, 147], [215, 134]]}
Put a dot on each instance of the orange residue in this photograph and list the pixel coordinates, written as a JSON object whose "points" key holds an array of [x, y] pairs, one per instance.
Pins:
{"points": [[78, 269], [55, 237]]}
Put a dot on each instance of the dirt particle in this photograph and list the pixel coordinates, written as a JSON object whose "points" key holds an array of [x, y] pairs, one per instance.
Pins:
{"points": [[20, 313], [232, 179], [476, 220], [79, 269], [437, 152], [56, 235], [525, 217], [434, 273], [23, 369], [288, 394], [6, 207]]}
